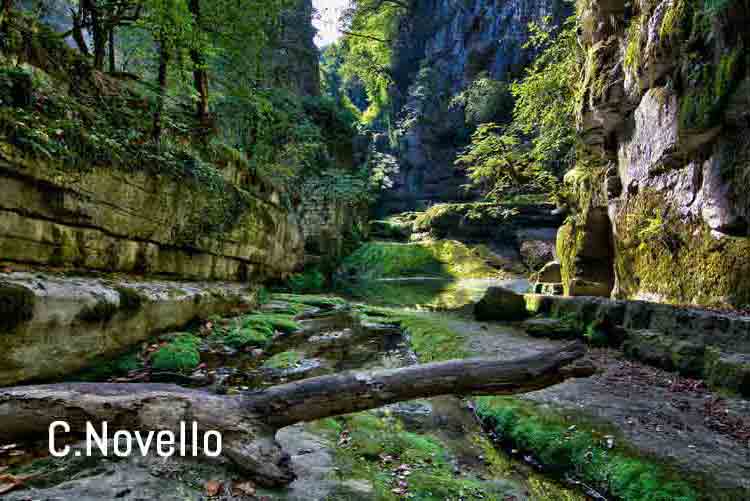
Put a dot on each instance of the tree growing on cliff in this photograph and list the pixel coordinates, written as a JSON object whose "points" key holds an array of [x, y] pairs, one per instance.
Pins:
{"points": [[539, 144], [370, 27]]}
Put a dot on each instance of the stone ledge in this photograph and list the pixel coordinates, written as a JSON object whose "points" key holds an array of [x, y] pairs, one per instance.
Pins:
{"points": [[55, 325], [691, 341], [105, 219]]}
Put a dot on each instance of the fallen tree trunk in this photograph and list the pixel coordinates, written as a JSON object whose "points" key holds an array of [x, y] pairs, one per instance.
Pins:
{"points": [[248, 422]]}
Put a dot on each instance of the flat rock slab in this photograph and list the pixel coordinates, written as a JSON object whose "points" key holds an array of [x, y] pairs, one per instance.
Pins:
{"points": [[54, 325], [654, 413]]}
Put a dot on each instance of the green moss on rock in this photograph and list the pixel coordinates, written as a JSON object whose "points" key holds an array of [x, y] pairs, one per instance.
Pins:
{"points": [[582, 453], [105, 368], [130, 299], [284, 360], [101, 311], [682, 262], [181, 354], [439, 258], [499, 303], [731, 371]]}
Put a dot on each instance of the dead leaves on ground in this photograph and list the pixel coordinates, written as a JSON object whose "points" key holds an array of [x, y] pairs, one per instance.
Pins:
{"points": [[244, 489]]}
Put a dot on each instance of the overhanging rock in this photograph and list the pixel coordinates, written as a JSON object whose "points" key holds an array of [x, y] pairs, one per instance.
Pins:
{"points": [[52, 325]]}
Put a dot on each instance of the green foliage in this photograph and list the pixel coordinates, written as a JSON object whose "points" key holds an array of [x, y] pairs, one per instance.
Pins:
{"points": [[332, 80], [108, 120], [563, 449], [181, 354], [485, 100], [530, 152], [500, 165], [371, 26], [309, 281]]}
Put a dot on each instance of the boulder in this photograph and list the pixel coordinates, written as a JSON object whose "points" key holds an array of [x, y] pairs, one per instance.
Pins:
{"points": [[550, 273], [728, 370], [584, 247], [665, 351], [555, 328], [499, 303]]}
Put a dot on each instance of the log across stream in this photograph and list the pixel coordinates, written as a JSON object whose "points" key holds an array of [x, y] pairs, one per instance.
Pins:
{"points": [[248, 423]]}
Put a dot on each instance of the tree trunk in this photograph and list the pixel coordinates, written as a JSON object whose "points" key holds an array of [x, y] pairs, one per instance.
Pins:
{"points": [[200, 74], [162, 90], [5, 15], [78, 30], [248, 422], [112, 55], [98, 32]]}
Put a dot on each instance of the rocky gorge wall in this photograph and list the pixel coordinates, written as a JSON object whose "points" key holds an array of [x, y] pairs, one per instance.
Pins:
{"points": [[664, 113], [442, 47], [109, 220]]}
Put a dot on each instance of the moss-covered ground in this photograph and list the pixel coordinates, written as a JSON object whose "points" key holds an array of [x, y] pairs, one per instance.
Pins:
{"points": [[447, 259], [401, 464], [589, 454], [566, 446]]}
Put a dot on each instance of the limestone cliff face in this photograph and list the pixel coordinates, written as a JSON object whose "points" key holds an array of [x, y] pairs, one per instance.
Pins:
{"points": [[110, 220], [665, 112], [442, 47]]}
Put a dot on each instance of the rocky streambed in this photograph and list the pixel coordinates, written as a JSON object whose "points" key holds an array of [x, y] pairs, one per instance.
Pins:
{"points": [[425, 449], [631, 432]]}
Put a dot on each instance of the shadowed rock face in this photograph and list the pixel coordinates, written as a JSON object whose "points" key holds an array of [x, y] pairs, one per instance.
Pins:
{"points": [[442, 47]]}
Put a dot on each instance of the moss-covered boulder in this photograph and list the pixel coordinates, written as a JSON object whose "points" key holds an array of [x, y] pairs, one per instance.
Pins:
{"points": [[728, 370], [56, 325], [665, 351], [16, 305], [585, 253], [555, 328], [499, 303]]}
